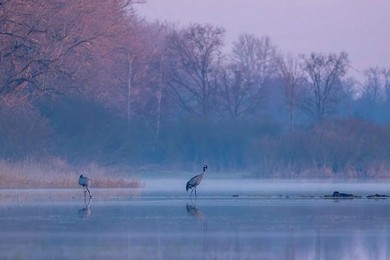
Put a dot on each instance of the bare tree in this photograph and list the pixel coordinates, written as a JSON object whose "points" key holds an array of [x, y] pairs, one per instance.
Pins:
{"points": [[375, 94], [386, 79], [323, 75], [373, 88], [291, 74], [255, 57], [127, 70], [236, 97], [154, 99], [49, 47], [194, 56], [251, 65]]}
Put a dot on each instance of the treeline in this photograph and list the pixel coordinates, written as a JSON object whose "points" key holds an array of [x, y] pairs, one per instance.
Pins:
{"points": [[92, 81]]}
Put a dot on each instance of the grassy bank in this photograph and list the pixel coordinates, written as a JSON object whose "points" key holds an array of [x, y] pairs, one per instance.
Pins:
{"points": [[55, 173]]}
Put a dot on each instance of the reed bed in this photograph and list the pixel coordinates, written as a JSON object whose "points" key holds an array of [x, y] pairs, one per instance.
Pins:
{"points": [[58, 174]]}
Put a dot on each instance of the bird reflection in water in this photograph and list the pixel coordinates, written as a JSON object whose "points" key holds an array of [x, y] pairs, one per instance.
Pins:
{"points": [[195, 212], [86, 210]]}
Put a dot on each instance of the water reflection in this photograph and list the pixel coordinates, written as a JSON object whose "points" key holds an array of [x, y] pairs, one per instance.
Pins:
{"points": [[156, 226], [86, 210], [195, 212]]}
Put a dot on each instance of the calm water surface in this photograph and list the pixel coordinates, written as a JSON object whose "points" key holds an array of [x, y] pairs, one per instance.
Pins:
{"points": [[229, 220]]}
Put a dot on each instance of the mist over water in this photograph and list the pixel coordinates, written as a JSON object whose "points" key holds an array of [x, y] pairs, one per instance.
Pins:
{"points": [[231, 219], [263, 188]]}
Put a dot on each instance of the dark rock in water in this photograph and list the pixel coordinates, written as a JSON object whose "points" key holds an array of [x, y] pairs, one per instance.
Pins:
{"points": [[339, 195], [235, 195], [345, 195], [378, 196]]}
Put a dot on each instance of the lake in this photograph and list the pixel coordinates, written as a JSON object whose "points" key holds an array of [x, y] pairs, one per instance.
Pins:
{"points": [[230, 219]]}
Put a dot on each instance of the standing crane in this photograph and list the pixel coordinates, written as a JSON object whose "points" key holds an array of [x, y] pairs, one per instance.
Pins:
{"points": [[84, 181], [195, 181]]}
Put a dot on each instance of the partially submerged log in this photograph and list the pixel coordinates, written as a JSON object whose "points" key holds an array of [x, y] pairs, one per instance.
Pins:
{"points": [[340, 195], [378, 196]]}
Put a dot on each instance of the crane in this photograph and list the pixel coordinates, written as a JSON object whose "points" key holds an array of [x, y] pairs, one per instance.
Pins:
{"points": [[84, 181], [195, 181]]}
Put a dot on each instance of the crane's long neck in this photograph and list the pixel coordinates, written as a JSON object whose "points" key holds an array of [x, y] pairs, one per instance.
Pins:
{"points": [[201, 176]]}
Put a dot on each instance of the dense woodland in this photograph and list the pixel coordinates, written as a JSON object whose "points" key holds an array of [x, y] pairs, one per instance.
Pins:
{"points": [[92, 81]]}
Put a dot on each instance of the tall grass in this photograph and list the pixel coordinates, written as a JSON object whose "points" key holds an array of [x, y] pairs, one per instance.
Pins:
{"points": [[55, 173]]}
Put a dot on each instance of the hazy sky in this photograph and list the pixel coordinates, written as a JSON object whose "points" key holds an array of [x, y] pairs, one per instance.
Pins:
{"points": [[359, 27]]}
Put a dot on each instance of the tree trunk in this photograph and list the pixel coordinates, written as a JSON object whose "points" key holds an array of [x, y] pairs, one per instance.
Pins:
{"points": [[129, 85]]}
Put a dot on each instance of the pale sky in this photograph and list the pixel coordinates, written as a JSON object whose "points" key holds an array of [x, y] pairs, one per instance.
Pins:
{"points": [[359, 27]]}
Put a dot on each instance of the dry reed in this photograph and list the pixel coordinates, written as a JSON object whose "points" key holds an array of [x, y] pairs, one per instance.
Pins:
{"points": [[56, 173]]}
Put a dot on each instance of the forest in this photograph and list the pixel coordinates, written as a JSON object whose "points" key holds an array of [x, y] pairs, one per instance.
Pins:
{"points": [[92, 82]]}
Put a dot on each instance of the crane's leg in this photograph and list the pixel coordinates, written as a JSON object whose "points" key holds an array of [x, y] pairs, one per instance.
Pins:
{"points": [[191, 192], [196, 195], [90, 196], [85, 192], [89, 202], [193, 203]]}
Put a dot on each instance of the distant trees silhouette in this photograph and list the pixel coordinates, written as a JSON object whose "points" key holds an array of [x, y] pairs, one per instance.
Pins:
{"points": [[91, 81]]}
